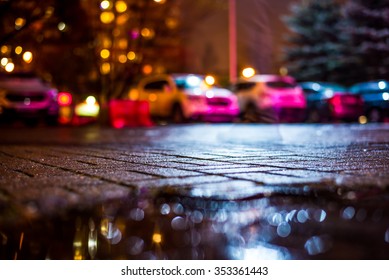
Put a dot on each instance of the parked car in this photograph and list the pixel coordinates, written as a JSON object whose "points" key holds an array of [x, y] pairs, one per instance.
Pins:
{"points": [[270, 99], [375, 95], [183, 97], [26, 97], [331, 102]]}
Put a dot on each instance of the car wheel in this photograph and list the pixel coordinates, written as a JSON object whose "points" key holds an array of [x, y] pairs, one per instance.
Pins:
{"points": [[374, 115], [31, 122], [250, 114], [313, 116], [177, 114], [52, 120]]}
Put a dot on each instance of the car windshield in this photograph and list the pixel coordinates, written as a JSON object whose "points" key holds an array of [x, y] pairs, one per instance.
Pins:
{"points": [[280, 84], [189, 82]]}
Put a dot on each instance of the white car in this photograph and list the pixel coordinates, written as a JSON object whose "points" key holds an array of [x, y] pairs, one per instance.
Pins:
{"points": [[187, 96], [270, 98]]}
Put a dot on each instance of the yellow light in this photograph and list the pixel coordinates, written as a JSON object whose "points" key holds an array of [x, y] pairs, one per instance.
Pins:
{"points": [[123, 43], [4, 49], [105, 68], [9, 67], [248, 72], [133, 94], [107, 43], [160, 1], [107, 17], [105, 4], [283, 71], [61, 26], [210, 80], [87, 110], [122, 19], [4, 61], [147, 33], [362, 120], [121, 6], [27, 57], [104, 53], [153, 97], [18, 50], [157, 238], [171, 23], [131, 55], [90, 100], [147, 69], [122, 58], [19, 23]]}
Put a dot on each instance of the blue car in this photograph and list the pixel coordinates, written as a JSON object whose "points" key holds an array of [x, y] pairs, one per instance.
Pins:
{"points": [[375, 95], [331, 102]]}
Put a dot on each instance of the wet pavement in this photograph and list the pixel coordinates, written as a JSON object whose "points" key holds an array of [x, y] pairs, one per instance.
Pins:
{"points": [[197, 191]]}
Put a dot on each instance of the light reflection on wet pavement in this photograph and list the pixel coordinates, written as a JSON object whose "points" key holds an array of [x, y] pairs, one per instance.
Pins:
{"points": [[170, 226]]}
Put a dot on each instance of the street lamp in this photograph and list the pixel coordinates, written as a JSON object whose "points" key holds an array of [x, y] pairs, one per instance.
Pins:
{"points": [[232, 40]]}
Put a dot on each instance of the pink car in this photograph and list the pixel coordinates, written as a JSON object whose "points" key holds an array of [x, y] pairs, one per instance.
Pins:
{"points": [[26, 97], [271, 99]]}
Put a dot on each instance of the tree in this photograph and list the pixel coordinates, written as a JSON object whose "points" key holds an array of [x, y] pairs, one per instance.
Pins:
{"points": [[314, 50], [367, 28]]}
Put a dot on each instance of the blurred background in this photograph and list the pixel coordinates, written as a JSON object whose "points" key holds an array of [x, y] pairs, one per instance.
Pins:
{"points": [[89, 52]]}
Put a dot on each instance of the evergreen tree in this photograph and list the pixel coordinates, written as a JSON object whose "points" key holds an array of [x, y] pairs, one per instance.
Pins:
{"points": [[315, 50], [367, 27]]}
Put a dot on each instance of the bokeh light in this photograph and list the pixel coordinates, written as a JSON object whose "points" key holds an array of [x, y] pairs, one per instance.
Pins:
{"points": [[107, 17], [18, 50], [121, 6], [9, 67], [105, 4], [131, 55], [27, 57], [248, 72], [104, 53], [105, 68]]}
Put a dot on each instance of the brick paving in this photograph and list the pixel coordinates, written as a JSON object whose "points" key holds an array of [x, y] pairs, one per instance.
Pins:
{"points": [[45, 170]]}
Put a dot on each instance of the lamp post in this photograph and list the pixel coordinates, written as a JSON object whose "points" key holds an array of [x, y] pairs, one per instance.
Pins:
{"points": [[232, 40]]}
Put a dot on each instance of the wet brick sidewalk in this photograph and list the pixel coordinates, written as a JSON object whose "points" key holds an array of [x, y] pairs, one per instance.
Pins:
{"points": [[45, 170], [48, 171]]}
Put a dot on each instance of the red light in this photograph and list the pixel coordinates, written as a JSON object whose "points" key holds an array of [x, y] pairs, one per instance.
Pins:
{"points": [[64, 99]]}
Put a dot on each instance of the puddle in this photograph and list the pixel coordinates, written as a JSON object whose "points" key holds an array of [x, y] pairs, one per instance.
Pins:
{"points": [[176, 227]]}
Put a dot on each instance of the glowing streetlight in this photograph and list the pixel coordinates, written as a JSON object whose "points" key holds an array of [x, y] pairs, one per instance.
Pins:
{"points": [[232, 40], [248, 72], [9, 67], [210, 80], [27, 57]]}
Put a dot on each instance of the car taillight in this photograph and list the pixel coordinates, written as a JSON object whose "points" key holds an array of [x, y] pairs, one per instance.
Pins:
{"points": [[335, 100], [64, 99]]}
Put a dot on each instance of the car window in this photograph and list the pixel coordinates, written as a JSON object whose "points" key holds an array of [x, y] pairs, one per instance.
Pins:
{"points": [[156, 85], [244, 86], [280, 84], [310, 91], [371, 91]]}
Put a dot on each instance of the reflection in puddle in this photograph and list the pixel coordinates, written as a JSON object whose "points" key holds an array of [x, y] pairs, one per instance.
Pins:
{"points": [[175, 227]]}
